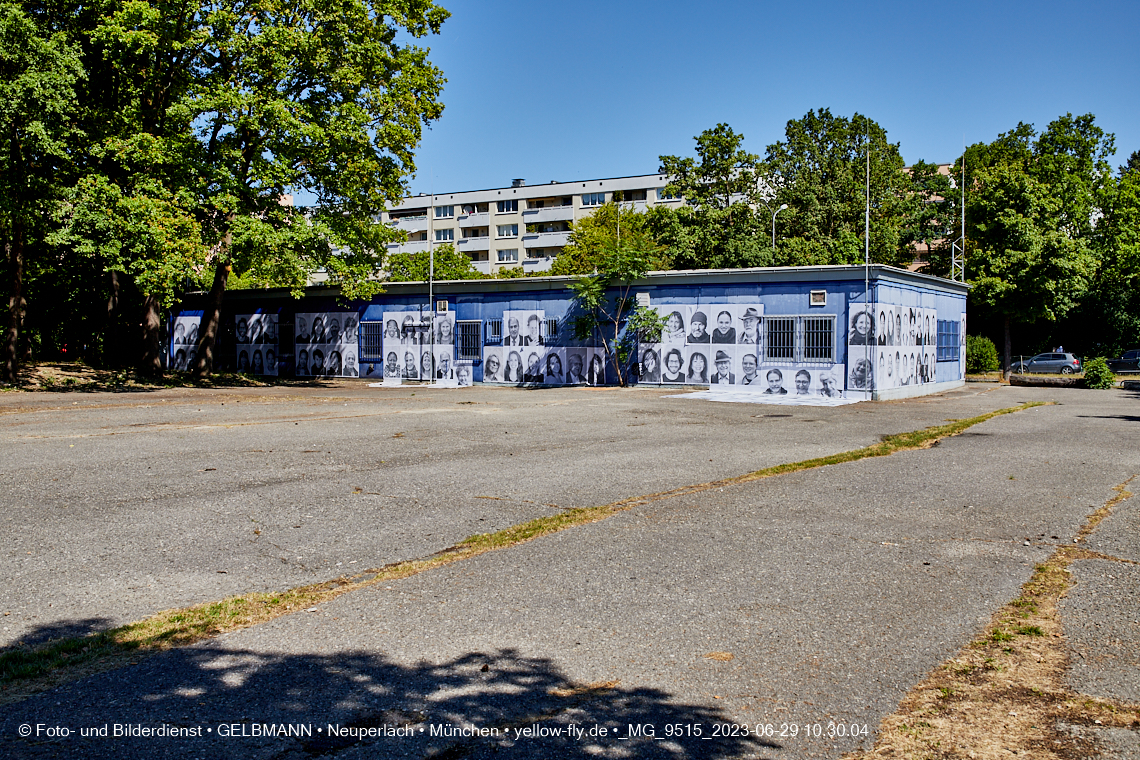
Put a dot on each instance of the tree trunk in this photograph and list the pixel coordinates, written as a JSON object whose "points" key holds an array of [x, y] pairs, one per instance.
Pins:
{"points": [[15, 251], [1008, 365], [151, 363], [208, 333], [112, 339]]}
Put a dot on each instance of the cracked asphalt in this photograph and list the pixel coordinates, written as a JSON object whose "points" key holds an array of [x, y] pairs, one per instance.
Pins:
{"points": [[815, 599]]}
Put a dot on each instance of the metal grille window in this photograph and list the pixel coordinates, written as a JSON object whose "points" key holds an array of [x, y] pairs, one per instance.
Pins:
{"points": [[781, 339], [467, 339], [372, 340], [948, 342], [493, 331], [818, 344], [551, 329]]}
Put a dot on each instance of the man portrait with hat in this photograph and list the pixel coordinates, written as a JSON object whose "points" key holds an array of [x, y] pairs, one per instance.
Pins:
{"points": [[750, 333], [723, 374], [698, 329]]}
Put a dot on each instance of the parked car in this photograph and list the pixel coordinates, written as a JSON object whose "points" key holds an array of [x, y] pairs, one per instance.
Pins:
{"points": [[1051, 363], [1130, 362]]}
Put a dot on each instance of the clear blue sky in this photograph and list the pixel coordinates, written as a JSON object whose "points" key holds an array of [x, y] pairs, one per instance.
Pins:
{"points": [[576, 90]]}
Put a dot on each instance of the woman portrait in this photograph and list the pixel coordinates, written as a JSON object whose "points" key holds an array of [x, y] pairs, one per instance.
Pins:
{"points": [[673, 364], [514, 370], [336, 365], [411, 371], [180, 360], [650, 367], [270, 361], [318, 367], [391, 331], [861, 374], [898, 368], [410, 337], [882, 335], [698, 369], [258, 366], [444, 335], [724, 332], [554, 369], [392, 365], [861, 329], [349, 333], [463, 376], [898, 328], [191, 355], [674, 328], [192, 335], [243, 361], [255, 329], [179, 334], [302, 362], [425, 365], [318, 331], [491, 369], [597, 373]]}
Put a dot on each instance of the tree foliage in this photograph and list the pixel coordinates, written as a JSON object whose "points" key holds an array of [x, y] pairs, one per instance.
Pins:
{"points": [[592, 238], [448, 265]]}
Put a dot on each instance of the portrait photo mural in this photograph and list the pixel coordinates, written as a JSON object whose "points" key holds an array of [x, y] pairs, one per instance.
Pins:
{"points": [[411, 353], [704, 344], [891, 346], [255, 343], [183, 340], [326, 344]]}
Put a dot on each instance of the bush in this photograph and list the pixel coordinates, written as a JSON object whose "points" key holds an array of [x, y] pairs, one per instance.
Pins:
{"points": [[981, 355], [1097, 374]]}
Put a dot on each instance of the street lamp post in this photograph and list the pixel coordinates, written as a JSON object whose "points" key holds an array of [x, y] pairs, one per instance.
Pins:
{"points": [[781, 208]]}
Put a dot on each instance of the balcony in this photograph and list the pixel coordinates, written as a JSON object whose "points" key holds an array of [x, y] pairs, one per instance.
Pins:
{"points": [[538, 265], [545, 239], [482, 266], [410, 223], [473, 244], [553, 214], [412, 246], [478, 219]]}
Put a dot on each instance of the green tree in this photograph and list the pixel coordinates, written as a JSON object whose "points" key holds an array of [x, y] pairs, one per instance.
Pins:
{"points": [[608, 306], [819, 170], [39, 71], [721, 224], [448, 265], [1032, 249], [592, 237], [300, 95]]}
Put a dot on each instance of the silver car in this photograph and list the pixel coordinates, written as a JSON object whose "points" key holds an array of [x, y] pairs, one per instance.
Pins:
{"points": [[1050, 363]]}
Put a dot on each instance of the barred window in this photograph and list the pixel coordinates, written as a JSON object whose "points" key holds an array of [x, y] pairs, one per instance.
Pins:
{"points": [[551, 329], [948, 341], [781, 344], [493, 331], [467, 339], [818, 341], [372, 340]]}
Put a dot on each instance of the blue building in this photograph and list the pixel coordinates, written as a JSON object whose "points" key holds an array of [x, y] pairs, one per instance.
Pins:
{"points": [[877, 332]]}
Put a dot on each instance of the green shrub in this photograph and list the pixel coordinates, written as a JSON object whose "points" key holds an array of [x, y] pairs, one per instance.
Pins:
{"points": [[981, 355], [1098, 375]]}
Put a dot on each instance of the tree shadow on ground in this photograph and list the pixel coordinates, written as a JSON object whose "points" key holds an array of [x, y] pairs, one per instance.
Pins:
{"points": [[280, 706]]}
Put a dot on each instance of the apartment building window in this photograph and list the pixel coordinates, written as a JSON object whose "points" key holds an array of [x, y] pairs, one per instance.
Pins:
{"points": [[593, 199], [444, 212], [948, 341], [535, 253], [507, 207], [664, 196], [444, 235], [421, 236], [507, 230], [508, 254], [467, 339]]}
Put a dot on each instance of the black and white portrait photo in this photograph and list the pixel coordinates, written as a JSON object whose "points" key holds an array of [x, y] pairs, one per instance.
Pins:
{"points": [[673, 366], [492, 364], [554, 372], [750, 327], [698, 327], [575, 366], [596, 374], [674, 331], [774, 381], [862, 328], [722, 362], [749, 373], [650, 370], [724, 332], [532, 372], [513, 369], [696, 365]]}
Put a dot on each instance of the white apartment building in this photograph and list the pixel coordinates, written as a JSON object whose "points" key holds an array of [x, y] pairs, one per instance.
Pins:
{"points": [[518, 226]]}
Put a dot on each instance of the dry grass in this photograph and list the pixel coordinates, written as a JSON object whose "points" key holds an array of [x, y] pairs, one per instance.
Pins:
{"points": [[1005, 693], [27, 670]]}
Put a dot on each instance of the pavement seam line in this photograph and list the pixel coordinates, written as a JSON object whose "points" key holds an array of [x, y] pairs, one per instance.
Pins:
{"points": [[46, 666], [1006, 690]]}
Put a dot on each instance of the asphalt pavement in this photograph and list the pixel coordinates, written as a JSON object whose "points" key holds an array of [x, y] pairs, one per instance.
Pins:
{"points": [[808, 603]]}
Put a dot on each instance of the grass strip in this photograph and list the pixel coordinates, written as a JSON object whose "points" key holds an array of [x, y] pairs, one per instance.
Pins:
{"points": [[1006, 694], [27, 670]]}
